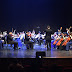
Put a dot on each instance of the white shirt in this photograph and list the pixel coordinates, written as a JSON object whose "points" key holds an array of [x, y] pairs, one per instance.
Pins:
{"points": [[22, 36]]}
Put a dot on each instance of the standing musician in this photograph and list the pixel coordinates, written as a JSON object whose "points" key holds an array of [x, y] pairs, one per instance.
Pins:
{"points": [[48, 37]]}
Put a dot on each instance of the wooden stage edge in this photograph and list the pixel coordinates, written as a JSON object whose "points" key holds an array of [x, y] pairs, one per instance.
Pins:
{"points": [[59, 57]]}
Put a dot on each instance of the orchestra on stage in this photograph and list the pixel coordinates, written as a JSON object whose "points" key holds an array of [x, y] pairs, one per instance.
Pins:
{"points": [[57, 40]]}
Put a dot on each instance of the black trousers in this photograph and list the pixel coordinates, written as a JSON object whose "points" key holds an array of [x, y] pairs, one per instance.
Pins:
{"points": [[29, 44], [15, 44], [48, 42], [40, 41]]}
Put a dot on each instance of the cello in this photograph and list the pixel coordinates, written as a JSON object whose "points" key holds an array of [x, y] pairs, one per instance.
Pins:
{"points": [[66, 41]]}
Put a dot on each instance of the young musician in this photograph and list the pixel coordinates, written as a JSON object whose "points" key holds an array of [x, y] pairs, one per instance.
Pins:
{"points": [[67, 31], [10, 40], [70, 42], [28, 42]]}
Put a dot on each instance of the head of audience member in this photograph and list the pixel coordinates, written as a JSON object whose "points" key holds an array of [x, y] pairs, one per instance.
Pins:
{"points": [[15, 68]]}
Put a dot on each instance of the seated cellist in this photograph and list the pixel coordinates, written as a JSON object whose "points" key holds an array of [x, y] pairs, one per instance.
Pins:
{"points": [[70, 42], [64, 39], [56, 39]]}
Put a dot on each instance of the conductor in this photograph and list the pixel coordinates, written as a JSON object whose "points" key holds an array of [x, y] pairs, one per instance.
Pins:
{"points": [[48, 37]]}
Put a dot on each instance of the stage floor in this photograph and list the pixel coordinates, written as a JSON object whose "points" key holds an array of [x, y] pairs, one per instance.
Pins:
{"points": [[8, 52]]}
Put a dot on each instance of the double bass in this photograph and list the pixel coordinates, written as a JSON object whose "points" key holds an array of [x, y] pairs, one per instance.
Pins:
{"points": [[55, 41], [69, 38], [66, 41], [59, 42]]}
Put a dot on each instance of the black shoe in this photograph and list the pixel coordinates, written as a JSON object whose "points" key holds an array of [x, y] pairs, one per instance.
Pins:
{"points": [[14, 48]]}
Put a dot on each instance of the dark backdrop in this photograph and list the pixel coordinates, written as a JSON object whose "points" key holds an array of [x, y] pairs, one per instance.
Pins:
{"points": [[29, 14]]}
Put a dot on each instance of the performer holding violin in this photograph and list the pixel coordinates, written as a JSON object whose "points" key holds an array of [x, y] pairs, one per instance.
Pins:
{"points": [[10, 40], [28, 42]]}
